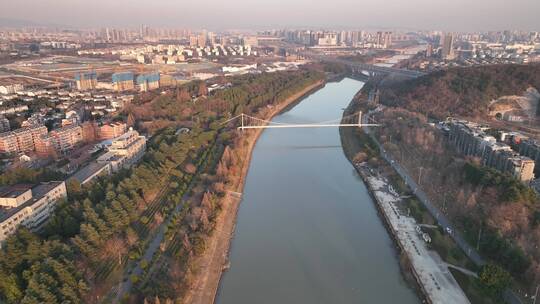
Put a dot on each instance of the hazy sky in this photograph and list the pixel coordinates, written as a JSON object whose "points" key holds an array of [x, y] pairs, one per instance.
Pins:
{"points": [[452, 15]]}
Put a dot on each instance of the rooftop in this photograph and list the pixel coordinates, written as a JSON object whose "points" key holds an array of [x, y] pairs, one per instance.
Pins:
{"points": [[14, 191], [88, 171], [38, 192]]}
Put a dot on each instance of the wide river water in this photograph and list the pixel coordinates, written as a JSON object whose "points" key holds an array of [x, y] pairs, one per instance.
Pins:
{"points": [[308, 231]]}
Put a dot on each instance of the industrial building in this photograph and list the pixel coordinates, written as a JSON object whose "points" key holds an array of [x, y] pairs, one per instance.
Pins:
{"points": [[28, 205]]}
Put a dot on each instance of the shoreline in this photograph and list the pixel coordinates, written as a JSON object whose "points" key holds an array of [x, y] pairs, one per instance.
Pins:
{"points": [[350, 149], [215, 260], [422, 268]]}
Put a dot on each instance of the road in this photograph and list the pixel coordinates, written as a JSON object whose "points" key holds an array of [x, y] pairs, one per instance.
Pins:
{"points": [[441, 219]]}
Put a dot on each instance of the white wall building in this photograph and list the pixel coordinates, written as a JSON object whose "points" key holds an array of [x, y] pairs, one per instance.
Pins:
{"points": [[27, 205], [124, 151]]}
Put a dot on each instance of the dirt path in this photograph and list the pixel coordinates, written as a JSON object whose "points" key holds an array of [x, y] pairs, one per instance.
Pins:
{"points": [[209, 267]]}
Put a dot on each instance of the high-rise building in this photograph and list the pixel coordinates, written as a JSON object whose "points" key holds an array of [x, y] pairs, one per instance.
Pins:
{"points": [[193, 41], [384, 39], [123, 81], [202, 39], [328, 39], [148, 82], [86, 81], [429, 50], [251, 41], [354, 39], [447, 42]]}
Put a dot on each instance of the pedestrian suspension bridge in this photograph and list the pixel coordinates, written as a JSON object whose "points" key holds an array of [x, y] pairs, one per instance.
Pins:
{"points": [[250, 122]]}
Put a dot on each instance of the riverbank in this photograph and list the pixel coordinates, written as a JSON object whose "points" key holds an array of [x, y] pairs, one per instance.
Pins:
{"points": [[211, 265], [430, 272], [431, 275]]}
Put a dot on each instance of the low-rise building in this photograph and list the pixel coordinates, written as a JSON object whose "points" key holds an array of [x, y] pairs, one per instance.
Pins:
{"points": [[91, 171], [28, 205], [11, 88]]}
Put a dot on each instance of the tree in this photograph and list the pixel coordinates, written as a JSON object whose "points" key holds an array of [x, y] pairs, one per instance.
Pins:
{"points": [[494, 279], [190, 168], [131, 120], [73, 187], [203, 90], [360, 157], [182, 95]]}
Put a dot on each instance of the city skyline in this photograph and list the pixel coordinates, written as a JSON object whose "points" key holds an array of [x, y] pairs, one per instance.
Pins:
{"points": [[461, 15]]}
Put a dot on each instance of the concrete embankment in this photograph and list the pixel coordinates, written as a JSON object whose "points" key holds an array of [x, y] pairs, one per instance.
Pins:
{"points": [[430, 272]]}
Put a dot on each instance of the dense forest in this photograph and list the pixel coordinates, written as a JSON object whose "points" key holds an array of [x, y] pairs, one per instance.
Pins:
{"points": [[463, 92], [103, 228]]}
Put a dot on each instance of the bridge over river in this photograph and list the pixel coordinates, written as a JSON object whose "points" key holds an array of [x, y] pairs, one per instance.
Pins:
{"points": [[371, 69]]}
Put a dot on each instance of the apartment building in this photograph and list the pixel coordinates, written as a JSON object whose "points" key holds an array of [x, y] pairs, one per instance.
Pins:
{"points": [[112, 130], [28, 205], [123, 81], [148, 82], [124, 151], [86, 81], [59, 141], [21, 140], [471, 139], [4, 124], [530, 148]]}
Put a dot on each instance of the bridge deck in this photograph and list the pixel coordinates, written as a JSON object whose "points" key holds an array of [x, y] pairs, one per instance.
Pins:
{"points": [[307, 126]]}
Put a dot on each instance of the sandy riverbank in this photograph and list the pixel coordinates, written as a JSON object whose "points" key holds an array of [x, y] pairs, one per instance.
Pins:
{"points": [[210, 266]]}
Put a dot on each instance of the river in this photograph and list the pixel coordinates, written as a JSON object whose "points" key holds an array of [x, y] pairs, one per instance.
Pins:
{"points": [[307, 230]]}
